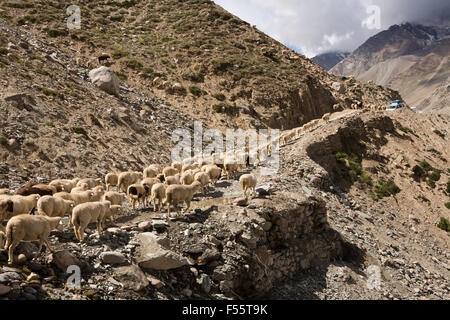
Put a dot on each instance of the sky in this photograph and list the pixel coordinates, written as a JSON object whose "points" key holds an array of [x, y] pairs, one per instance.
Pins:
{"points": [[312, 27]]}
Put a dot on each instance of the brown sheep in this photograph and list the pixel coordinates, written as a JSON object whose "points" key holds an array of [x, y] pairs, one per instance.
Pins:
{"points": [[37, 188]]}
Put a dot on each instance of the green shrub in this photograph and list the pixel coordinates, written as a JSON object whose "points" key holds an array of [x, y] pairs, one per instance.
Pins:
{"points": [[119, 53], [134, 64], [386, 189], [49, 92], [50, 124], [57, 33], [195, 91], [447, 205], [444, 224], [3, 51], [29, 142], [220, 96], [3, 141], [79, 130], [448, 186]]}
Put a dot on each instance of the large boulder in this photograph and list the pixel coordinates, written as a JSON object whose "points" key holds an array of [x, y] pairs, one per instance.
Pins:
{"points": [[106, 80], [63, 259], [131, 277], [154, 253]]}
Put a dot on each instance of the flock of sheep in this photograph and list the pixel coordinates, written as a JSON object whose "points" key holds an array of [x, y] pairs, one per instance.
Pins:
{"points": [[87, 201]]}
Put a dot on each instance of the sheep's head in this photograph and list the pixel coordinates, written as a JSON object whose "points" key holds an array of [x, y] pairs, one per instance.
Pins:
{"points": [[55, 223], [197, 186]]}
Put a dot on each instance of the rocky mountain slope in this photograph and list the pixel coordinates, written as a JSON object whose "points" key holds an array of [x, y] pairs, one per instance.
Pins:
{"points": [[312, 231], [412, 59], [198, 57], [330, 59]]}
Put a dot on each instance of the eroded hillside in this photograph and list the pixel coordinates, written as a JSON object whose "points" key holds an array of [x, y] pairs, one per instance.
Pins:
{"points": [[230, 73]]}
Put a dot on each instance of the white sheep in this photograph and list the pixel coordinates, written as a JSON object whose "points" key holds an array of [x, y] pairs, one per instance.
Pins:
{"points": [[111, 180], [6, 205], [158, 192], [116, 198], [148, 184], [77, 197], [187, 178], [173, 180], [203, 178], [214, 173], [89, 212], [91, 182], [247, 181], [177, 165], [176, 193], [81, 187], [26, 227], [150, 173], [21, 205], [54, 207], [113, 211], [169, 171], [98, 192], [65, 184], [128, 178]]}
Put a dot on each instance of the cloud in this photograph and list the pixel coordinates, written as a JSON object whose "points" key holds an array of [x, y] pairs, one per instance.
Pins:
{"points": [[317, 26]]}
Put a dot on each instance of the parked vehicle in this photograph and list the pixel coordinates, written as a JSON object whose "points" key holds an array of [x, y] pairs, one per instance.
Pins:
{"points": [[396, 105]]}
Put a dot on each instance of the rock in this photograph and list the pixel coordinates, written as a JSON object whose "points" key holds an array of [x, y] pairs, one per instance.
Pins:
{"points": [[27, 248], [187, 292], [21, 258], [115, 231], [208, 256], [113, 257], [146, 225], [159, 225], [154, 254], [205, 283], [241, 202], [13, 144], [339, 87], [131, 277], [63, 259], [33, 276], [9, 276], [267, 226], [4, 289], [106, 80], [264, 190], [158, 284]]}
